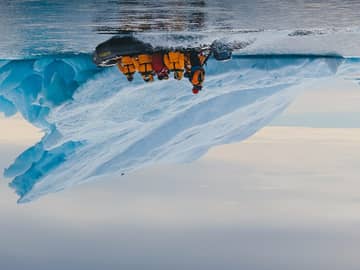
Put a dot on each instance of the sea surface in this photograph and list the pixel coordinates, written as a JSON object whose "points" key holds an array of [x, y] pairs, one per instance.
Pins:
{"points": [[31, 27]]}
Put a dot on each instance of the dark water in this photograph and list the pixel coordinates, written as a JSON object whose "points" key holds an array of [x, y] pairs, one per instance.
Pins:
{"points": [[105, 16], [49, 26]]}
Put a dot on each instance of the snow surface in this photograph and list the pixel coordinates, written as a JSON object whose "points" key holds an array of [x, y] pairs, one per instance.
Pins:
{"points": [[96, 123]]}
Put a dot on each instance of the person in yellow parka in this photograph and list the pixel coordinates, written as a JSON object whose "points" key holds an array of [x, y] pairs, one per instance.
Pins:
{"points": [[127, 67], [143, 64], [175, 61]]}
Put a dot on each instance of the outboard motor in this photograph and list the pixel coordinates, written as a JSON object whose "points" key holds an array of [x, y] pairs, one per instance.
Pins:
{"points": [[221, 51]]}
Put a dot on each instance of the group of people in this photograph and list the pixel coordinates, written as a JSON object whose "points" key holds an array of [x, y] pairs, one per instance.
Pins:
{"points": [[161, 64]]}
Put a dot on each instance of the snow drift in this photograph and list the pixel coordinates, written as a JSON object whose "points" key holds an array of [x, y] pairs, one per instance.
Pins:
{"points": [[96, 123]]}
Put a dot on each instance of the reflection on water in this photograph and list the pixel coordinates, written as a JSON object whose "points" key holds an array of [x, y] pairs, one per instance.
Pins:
{"points": [[130, 16], [41, 27], [207, 15]]}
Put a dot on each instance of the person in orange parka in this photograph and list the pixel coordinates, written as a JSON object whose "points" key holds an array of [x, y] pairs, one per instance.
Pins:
{"points": [[195, 71], [193, 58], [175, 61], [143, 64], [127, 67]]}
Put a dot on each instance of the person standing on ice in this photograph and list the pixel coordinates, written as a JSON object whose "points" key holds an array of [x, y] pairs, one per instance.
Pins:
{"points": [[127, 67], [159, 67], [194, 69], [143, 64], [175, 62]]}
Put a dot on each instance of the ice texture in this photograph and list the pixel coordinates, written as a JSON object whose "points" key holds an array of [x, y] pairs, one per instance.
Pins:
{"points": [[96, 123]]}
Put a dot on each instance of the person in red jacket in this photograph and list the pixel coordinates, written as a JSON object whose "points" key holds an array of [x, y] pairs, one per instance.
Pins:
{"points": [[159, 67]]}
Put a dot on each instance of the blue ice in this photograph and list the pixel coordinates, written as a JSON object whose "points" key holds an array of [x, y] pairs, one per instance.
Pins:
{"points": [[96, 123]]}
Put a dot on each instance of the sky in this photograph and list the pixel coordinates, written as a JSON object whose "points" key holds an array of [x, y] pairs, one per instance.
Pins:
{"points": [[330, 103], [286, 198]]}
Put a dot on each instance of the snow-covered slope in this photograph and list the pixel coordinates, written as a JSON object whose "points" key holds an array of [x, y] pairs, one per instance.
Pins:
{"points": [[96, 123]]}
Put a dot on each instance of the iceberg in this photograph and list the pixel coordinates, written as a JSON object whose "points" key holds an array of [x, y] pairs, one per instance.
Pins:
{"points": [[96, 123]]}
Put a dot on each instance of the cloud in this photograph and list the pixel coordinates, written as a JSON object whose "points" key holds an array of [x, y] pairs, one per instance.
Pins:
{"points": [[16, 130], [287, 198]]}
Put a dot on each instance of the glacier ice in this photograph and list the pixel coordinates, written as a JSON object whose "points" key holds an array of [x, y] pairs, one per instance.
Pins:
{"points": [[96, 123]]}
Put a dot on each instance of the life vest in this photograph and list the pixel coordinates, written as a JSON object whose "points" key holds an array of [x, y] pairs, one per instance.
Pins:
{"points": [[143, 63], [174, 61], [197, 76], [126, 65]]}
